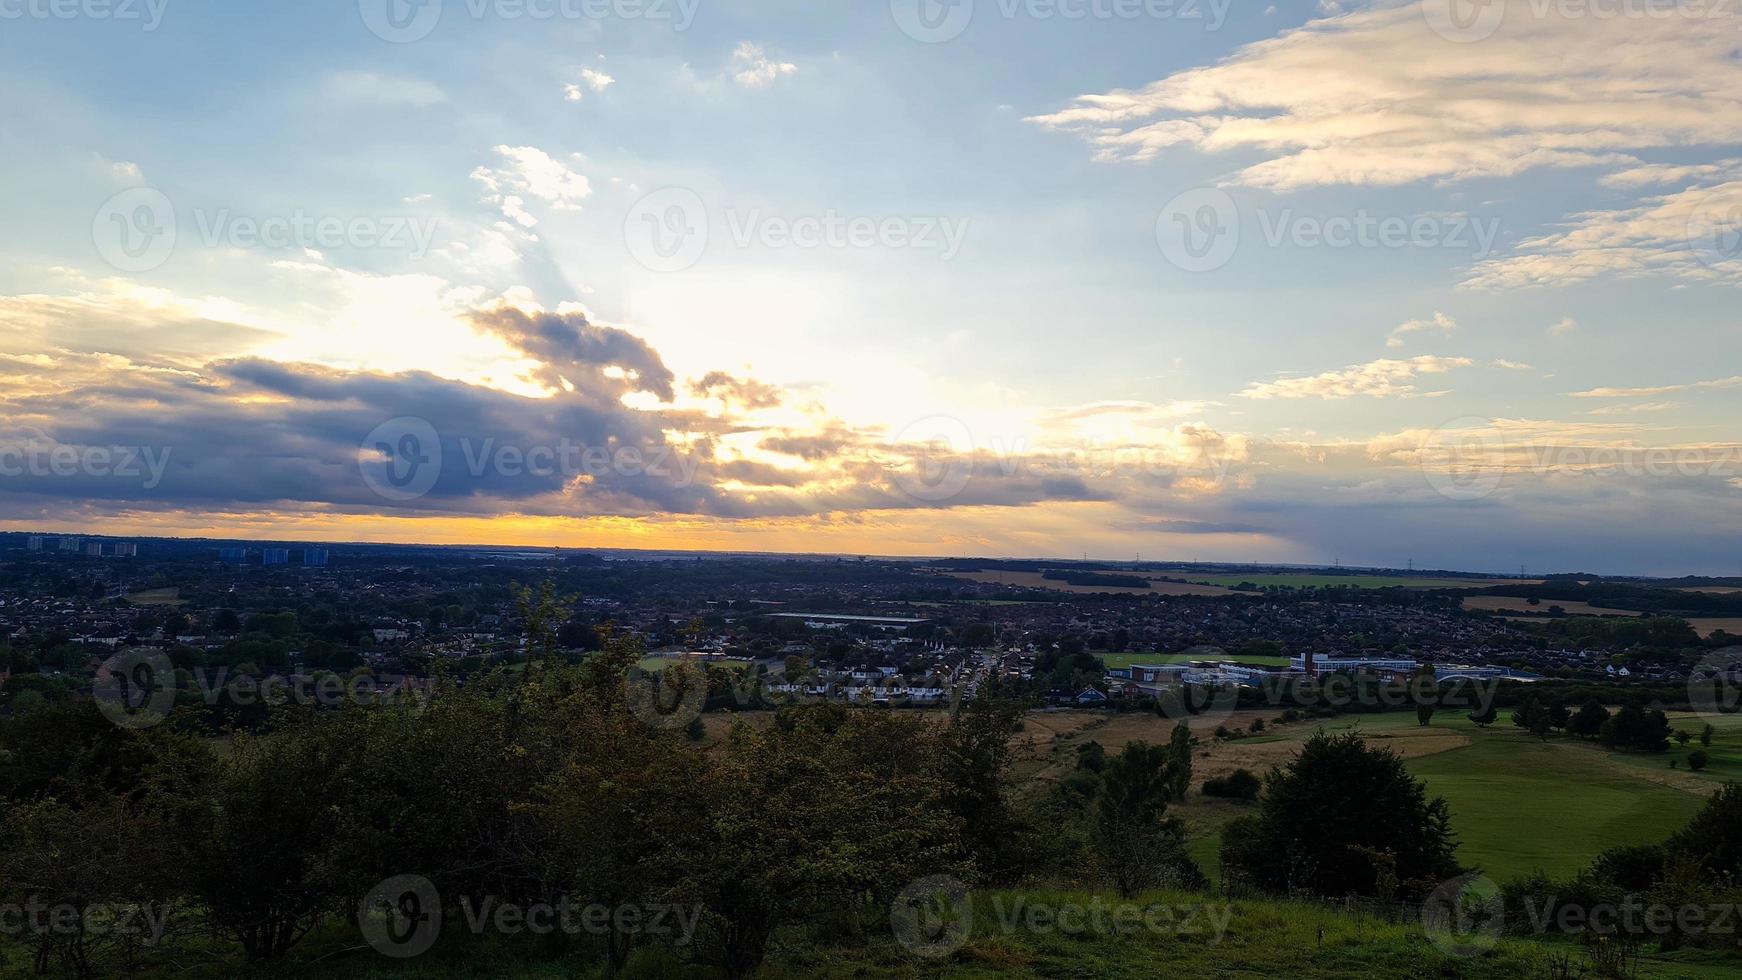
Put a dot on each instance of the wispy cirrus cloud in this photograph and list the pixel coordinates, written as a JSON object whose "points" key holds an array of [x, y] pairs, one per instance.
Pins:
{"points": [[1439, 322], [1691, 234], [1648, 392], [1375, 97]]}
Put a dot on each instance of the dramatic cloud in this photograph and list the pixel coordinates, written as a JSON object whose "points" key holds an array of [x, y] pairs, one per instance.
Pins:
{"points": [[1377, 97], [745, 393], [578, 355], [1376, 379]]}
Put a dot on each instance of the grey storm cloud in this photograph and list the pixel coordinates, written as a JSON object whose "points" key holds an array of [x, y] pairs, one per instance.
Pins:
{"points": [[575, 350], [252, 433]]}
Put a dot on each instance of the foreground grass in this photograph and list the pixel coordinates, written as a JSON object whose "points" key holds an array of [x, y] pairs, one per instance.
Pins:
{"points": [[1205, 937]]}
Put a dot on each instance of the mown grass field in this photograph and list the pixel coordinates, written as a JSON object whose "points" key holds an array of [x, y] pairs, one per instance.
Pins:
{"points": [[156, 597], [1518, 803]]}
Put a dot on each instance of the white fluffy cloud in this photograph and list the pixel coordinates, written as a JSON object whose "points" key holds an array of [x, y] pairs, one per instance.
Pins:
{"points": [[753, 69], [596, 81], [528, 171]]}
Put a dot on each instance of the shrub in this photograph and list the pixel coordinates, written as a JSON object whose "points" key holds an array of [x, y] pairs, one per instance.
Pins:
{"points": [[1237, 785]]}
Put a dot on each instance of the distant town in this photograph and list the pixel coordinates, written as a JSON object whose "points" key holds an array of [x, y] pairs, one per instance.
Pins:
{"points": [[886, 631]]}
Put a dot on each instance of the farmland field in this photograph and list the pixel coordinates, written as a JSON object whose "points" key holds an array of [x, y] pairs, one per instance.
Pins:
{"points": [[1307, 580], [1707, 626], [1513, 604]]}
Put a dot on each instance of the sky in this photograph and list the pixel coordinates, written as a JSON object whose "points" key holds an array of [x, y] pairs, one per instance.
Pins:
{"points": [[1450, 282]]}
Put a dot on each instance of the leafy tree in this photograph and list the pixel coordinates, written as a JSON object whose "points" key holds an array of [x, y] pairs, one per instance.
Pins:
{"points": [[1527, 713], [1697, 759], [1138, 843], [1706, 736], [806, 817], [1179, 763], [624, 788], [260, 826], [1540, 725], [1338, 798], [1588, 723], [975, 761], [1091, 756], [1485, 717], [1636, 728], [1683, 737], [1713, 838], [72, 862], [1425, 692]]}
